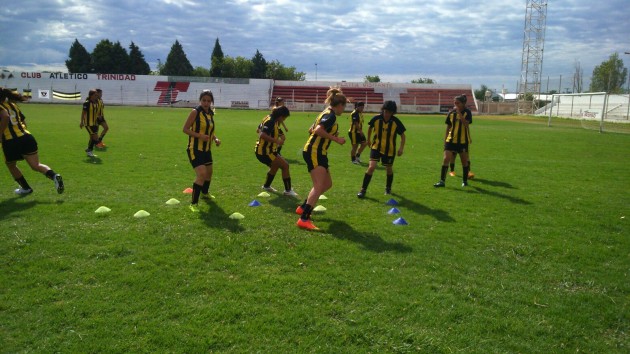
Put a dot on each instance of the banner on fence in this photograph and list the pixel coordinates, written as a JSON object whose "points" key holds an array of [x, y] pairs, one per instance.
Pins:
{"points": [[70, 96]]}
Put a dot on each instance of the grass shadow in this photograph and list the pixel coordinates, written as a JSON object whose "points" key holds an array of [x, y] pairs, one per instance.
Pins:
{"points": [[217, 218], [438, 214], [9, 206], [493, 183], [93, 160], [285, 203], [368, 240], [515, 200]]}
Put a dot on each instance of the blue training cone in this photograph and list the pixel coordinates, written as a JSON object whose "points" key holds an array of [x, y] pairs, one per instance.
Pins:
{"points": [[393, 211], [400, 221], [254, 203], [392, 202]]}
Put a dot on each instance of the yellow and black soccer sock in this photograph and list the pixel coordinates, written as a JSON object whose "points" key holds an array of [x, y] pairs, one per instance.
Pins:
{"points": [[306, 212], [206, 187], [443, 173], [196, 191], [22, 182], [50, 174], [269, 180], [287, 183], [390, 180], [366, 182]]}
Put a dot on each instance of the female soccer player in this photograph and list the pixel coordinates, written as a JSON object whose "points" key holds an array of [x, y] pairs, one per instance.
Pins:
{"points": [[315, 153], [100, 119], [200, 130], [18, 144], [356, 133], [267, 150], [89, 118], [457, 138], [385, 127]]}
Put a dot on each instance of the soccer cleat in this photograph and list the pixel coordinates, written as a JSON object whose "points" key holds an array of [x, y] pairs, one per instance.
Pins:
{"points": [[299, 210], [193, 208], [290, 193], [361, 194], [90, 153], [101, 145], [439, 184], [464, 184], [269, 189], [471, 175], [59, 183], [356, 162], [306, 224], [388, 191], [452, 174], [22, 191]]}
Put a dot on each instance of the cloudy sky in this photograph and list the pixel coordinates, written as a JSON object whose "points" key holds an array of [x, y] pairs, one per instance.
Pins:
{"points": [[450, 41]]}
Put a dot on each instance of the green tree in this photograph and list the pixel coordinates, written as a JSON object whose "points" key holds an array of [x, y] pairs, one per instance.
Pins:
{"points": [[609, 76], [119, 59], [102, 57], [238, 67], [277, 71], [137, 64], [177, 63], [79, 60], [480, 94], [374, 78], [216, 60], [259, 66], [200, 71], [424, 80]]}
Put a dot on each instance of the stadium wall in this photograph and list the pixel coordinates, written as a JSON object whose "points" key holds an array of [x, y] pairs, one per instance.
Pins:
{"points": [[151, 90]]}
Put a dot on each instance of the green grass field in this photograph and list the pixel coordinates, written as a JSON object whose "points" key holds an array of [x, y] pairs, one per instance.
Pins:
{"points": [[532, 257]]}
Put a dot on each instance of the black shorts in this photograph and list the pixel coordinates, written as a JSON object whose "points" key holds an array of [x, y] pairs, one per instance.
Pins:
{"points": [[314, 161], [199, 158], [266, 159], [92, 129], [458, 148], [356, 138], [100, 120], [385, 160], [16, 149]]}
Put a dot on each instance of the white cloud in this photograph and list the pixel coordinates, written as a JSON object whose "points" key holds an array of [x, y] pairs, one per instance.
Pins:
{"points": [[448, 40]]}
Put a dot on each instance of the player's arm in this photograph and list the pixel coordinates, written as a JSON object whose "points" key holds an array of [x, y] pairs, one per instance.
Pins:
{"points": [[268, 138], [188, 125], [320, 130], [4, 120], [369, 136], [402, 144], [83, 119]]}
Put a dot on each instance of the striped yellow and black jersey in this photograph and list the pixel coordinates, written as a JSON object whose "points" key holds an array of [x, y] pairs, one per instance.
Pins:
{"points": [[16, 127], [101, 109], [356, 125], [458, 133], [268, 126], [384, 134], [317, 144], [203, 124], [91, 112]]}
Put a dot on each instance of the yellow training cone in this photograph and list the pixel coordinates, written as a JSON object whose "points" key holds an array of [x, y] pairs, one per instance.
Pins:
{"points": [[102, 210], [237, 216], [141, 214], [172, 201], [320, 208], [264, 194], [323, 197]]}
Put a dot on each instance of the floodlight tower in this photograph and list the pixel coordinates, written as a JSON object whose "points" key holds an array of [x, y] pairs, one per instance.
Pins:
{"points": [[532, 58]]}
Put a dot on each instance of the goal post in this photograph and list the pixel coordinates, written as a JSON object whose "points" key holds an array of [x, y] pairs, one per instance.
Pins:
{"points": [[594, 110]]}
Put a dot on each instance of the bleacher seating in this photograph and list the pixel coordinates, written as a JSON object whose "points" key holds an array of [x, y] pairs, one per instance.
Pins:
{"points": [[434, 97], [317, 94]]}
